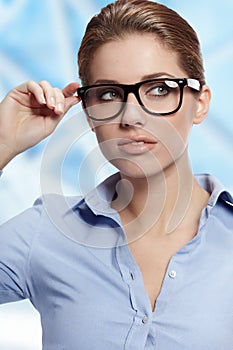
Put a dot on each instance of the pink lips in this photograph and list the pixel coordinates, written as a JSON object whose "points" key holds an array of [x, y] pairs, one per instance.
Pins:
{"points": [[137, 144]]}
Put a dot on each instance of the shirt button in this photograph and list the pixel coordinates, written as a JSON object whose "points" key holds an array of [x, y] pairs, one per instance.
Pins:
{"points": [[172, 274], [145, 319]]}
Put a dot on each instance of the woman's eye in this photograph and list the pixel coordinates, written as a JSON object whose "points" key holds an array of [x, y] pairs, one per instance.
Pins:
{"points": [[108, 96], [159, 90]]}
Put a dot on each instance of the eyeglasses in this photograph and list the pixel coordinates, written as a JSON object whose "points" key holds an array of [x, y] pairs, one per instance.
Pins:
{"points": [[158, 97]]}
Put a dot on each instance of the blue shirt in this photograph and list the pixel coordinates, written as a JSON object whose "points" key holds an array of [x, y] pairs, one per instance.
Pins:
{"points": [[89, 291]]}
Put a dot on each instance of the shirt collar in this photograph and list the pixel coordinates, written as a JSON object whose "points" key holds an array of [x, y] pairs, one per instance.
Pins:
{"points": [[215, 188], [99, 199]]}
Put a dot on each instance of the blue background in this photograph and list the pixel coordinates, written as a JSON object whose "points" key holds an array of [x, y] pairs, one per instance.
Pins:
{"points": [[39, 40]]}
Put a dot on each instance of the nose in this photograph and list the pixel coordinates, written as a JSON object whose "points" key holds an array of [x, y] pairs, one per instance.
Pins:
{"points": [[133, 114]]}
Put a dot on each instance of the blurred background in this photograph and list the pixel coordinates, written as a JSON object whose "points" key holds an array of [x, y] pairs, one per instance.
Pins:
{"points": [[39, 40]]}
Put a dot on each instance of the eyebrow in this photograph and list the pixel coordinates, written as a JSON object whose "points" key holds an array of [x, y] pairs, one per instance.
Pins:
{"points": [[158, 75], [145, 77]]}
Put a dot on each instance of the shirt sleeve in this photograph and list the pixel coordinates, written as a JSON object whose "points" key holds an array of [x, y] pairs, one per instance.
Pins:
{"points": [[16, 238]]}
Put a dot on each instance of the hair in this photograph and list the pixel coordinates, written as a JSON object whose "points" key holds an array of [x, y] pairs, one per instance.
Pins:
{"points": [[124, 17]]}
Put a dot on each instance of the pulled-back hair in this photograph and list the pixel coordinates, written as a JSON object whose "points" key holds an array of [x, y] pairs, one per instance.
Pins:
{"points": [[124, 17]]}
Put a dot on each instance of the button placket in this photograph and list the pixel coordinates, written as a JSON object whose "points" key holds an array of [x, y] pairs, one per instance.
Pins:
{"points": [[132, 276], [169, 285], [145, 319], [141, 323]]}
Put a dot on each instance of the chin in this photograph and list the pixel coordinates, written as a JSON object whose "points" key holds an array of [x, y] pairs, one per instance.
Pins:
{"points": [[135, 170]]}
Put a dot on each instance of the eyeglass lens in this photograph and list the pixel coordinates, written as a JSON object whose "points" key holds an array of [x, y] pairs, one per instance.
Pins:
{"points": [[157, 97]]}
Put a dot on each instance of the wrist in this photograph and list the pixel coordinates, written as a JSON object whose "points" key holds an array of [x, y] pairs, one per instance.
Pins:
{"points": [[6, 155]]}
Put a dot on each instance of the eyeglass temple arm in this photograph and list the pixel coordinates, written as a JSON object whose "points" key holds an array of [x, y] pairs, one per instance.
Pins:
{"points": [[194, 84]]}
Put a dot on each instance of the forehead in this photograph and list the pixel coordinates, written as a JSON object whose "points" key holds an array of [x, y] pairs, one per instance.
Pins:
{"points": [[131, 58]]}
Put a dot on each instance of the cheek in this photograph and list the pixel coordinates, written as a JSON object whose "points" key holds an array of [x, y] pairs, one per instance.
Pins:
{"points": [[104, 131], [183, 127], [172, 135], [106, 135]]}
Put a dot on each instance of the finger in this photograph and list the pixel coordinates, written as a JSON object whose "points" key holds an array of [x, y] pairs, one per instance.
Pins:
{"points": [[59, 107], [62, 103], [60, 100], [70, 89], [69, 92], [49, 93], [70, 102], [33, 88]]}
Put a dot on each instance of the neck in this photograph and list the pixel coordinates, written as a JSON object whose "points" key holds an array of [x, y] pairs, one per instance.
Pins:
{"points": [[166, 200]]}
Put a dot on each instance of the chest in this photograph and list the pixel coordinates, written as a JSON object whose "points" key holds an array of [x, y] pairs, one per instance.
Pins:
{"points": [[153, 265], [92, 302], [153, 254], [103, 311]]}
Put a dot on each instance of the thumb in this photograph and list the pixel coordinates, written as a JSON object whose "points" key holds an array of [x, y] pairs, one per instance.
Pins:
{"points": [[68, 92], [70, 89]]}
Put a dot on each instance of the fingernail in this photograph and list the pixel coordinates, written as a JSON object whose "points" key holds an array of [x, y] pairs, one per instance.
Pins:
{"points": [[42, 99], [52, 101], [60, 107]]}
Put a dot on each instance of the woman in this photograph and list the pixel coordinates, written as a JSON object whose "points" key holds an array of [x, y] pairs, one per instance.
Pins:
{"points": [[143, 261]]}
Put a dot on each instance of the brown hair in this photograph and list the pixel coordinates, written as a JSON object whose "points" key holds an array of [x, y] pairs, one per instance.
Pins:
{"points": [[123, 17]]}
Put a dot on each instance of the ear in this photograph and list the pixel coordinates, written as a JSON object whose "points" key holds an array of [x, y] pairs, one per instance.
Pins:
{"points": [[203, 105]]}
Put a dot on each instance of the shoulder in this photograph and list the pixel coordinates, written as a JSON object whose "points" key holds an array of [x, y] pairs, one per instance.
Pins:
{"points": [[58, 202], [43, 214]]}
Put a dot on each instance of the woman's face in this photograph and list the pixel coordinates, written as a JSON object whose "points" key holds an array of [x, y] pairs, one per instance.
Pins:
{"points": [[137, 143]]}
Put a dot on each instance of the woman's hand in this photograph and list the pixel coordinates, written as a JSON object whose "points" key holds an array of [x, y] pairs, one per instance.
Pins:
{"points": [[29, 113]]}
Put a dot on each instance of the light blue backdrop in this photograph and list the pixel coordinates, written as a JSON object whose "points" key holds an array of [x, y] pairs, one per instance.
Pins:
{"points": [[39, 40]]}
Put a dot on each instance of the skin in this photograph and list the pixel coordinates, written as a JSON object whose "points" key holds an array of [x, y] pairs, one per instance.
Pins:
{"points": [[29, 113], [167, 162], [126, 56], [158, 198]]}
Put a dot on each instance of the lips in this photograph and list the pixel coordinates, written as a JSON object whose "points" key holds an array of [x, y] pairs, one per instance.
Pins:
{"points": [[137, 144]]}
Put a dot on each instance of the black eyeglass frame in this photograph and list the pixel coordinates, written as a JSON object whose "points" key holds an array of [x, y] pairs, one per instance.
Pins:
{"points": [[134, 88]]}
